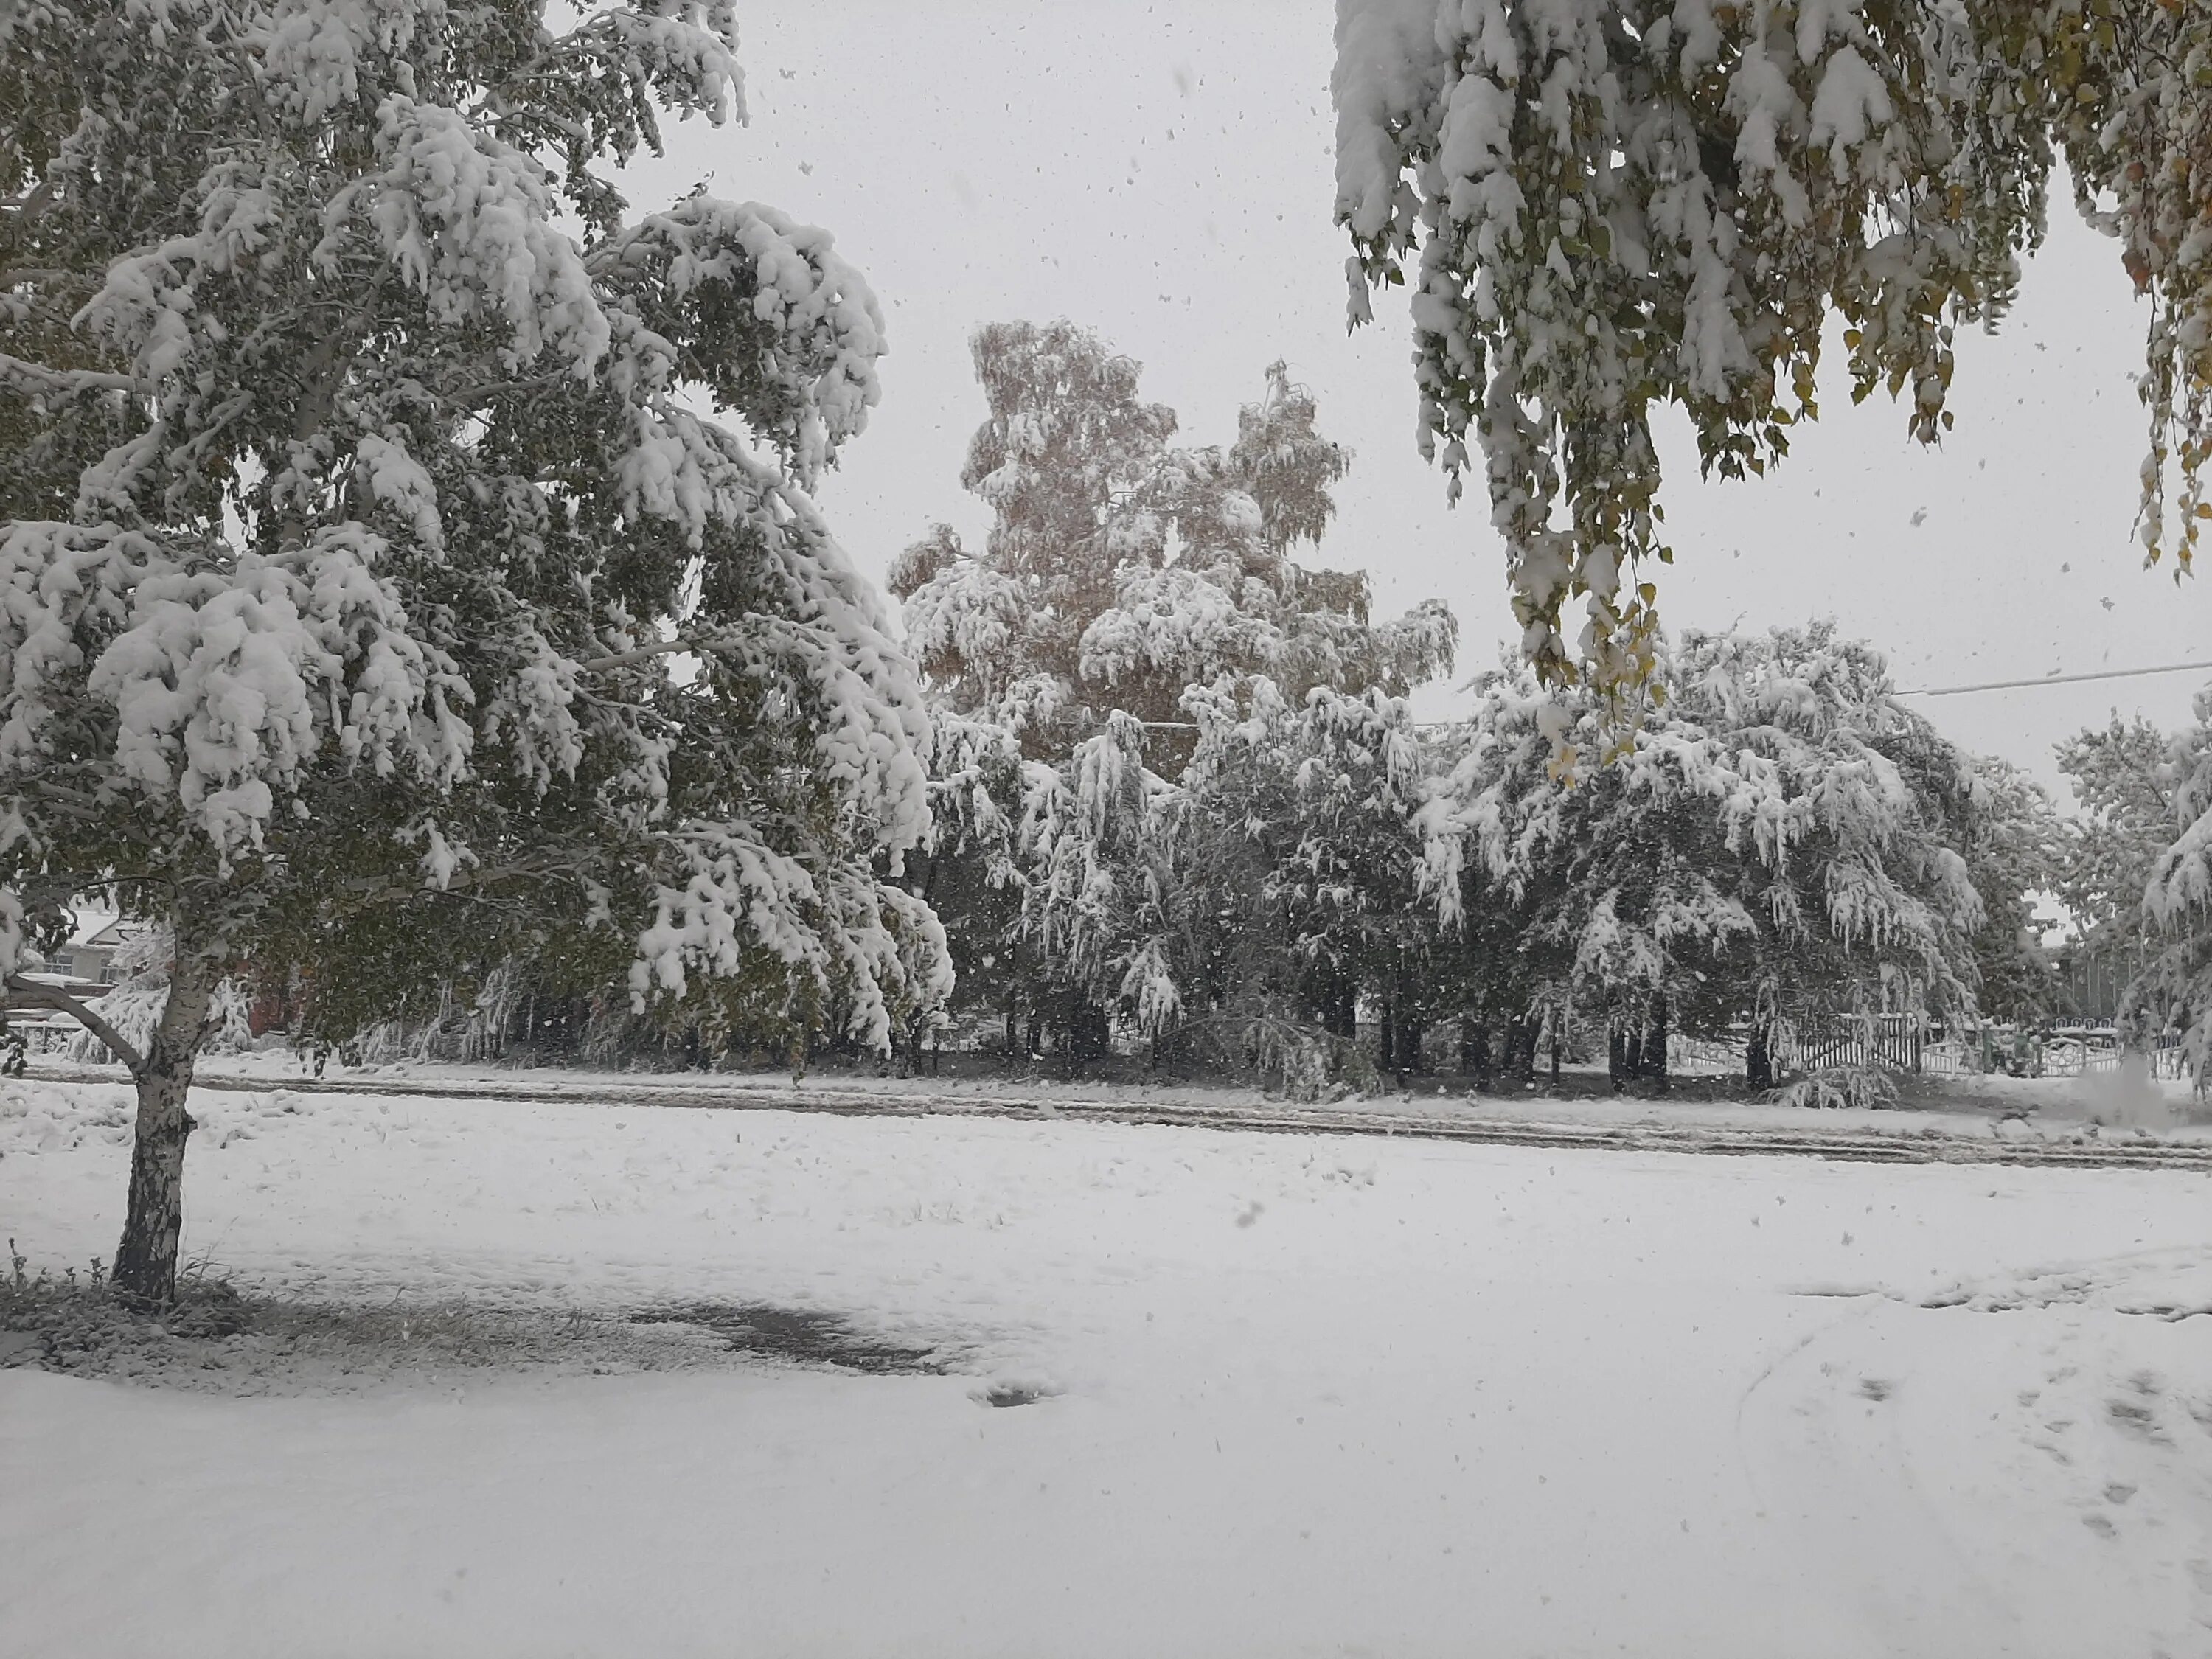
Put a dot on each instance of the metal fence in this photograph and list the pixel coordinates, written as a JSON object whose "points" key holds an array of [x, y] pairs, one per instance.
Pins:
{"points": [[1894, 1040]]}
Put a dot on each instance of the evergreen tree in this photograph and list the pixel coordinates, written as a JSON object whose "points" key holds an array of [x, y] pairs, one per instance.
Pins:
{"points": [[2174, 990], [2125, 821], [2013, 851], [1302, 818], [1131, 596], [1121, 571], [374, 598], [1775, 848]]}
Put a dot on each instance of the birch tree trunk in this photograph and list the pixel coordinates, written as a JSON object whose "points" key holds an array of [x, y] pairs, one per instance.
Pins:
{"points": [[146, 1260]]}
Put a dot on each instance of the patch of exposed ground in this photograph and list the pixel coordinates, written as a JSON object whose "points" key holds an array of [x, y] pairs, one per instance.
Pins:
{"points": [[218, 1339]]}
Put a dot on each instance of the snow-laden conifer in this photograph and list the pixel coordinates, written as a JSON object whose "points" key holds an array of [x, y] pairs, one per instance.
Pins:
{"points": [[1777, 846], [1131, 596]]}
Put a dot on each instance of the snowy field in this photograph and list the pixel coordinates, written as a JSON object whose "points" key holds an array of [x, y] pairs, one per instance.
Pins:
{"points": [[1298, 1395]]}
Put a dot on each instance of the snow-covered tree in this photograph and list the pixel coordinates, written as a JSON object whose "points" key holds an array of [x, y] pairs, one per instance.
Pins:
{"points": [[1106, 906], [2124, 820], [1124, 577], [1604, 206], [2174, 990], [1776, 848], [2013, 850], [1120, 570], [1301, 823], [373, 593], [972, 869]]}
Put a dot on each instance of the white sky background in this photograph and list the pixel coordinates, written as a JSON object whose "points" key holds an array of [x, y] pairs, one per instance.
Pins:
{"points": [[1165, 175]]}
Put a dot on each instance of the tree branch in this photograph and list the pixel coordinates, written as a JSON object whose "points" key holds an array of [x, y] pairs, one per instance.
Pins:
{"points": [[701, 643], [52, 996], [43, 378], [369, 890], [33, 204], [647, 653]]}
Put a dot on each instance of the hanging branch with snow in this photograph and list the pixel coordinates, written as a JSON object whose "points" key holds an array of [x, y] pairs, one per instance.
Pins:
{"points": [[1603, 206]]}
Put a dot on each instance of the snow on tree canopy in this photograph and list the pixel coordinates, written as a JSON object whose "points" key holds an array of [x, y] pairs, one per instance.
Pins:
{"points": [[1136, 600], [1782, 834], [2175, 988], [1121, 571], [357, 513], [1600, 205]]}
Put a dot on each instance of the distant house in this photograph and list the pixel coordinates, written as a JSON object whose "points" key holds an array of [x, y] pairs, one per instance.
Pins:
{"points": [[83, 966], [90, 953]]}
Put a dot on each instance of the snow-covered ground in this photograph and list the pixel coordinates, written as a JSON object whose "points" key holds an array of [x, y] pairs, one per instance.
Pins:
{"points": [[1967, 1114], [1303, 1395]]}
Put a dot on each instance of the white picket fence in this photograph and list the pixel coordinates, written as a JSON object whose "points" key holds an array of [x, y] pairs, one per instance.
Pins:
{"points": [[2069, 1052]]}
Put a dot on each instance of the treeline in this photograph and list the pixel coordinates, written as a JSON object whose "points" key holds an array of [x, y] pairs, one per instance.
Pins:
{"points": [[1183, 816]]}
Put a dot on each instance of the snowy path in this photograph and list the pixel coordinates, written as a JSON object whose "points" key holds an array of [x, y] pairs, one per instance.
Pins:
{"points": [[1318, 1395]]}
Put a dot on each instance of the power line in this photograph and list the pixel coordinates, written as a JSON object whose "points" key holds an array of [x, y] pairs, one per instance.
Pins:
{"points": [[1922, 691], [2059, 679]]}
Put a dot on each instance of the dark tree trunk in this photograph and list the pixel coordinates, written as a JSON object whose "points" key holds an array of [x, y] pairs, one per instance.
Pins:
{"points": [[1386, 1035], [1654, 1049], [1758, 1060], [1474, 1049], [1521, 1050], [146, 1259], [1616, 1059], [1410, 1029], [1555, 1053]]}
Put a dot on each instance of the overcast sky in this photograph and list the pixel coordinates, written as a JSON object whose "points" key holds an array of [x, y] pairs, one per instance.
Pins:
{"points": [[1163, 174]]}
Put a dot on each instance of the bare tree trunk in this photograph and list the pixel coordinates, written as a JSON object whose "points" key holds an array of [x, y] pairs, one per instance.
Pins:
{"points": [[1406, 1043], [146, 1259], [1521, 1050], [1654, 1048], [1759, 1059], [1474, 1049]]}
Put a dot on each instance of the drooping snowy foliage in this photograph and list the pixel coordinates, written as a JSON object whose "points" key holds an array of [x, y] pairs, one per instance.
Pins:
{"points": [[134, 1008], [360, 528], [1133, 598], [1109, 887], [1778, 844], [1310, 810], [1603, 205], [1242, 911]]}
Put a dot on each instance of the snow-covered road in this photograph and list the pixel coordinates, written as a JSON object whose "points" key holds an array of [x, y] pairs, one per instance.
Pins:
{"points": [[2056, 1122], [1316, 1395]]}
